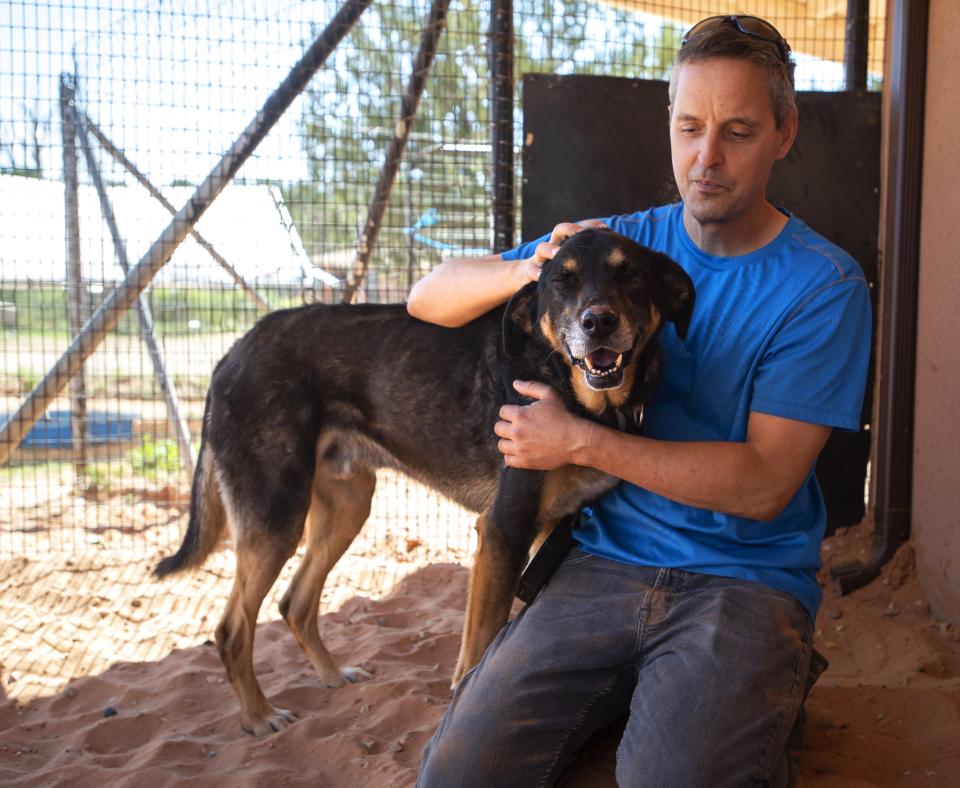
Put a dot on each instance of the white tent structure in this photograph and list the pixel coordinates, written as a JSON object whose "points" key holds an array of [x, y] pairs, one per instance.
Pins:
{"points": [[249, 226]]}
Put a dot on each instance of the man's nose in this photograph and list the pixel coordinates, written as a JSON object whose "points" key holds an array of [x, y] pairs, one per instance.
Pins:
{"points": [[710, 153]]}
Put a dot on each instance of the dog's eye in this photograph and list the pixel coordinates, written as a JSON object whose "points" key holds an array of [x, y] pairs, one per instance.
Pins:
{"points": [[565, 277]]}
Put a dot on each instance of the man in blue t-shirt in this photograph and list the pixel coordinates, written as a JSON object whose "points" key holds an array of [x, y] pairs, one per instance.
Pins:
{"points": [[687, 605]]}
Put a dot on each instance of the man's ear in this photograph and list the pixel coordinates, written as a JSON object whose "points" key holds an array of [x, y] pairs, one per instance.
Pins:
{"points": [[673, 293], [518, 319]]}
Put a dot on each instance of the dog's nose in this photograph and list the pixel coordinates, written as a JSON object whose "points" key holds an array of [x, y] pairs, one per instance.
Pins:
{"points": [[598, 321]]}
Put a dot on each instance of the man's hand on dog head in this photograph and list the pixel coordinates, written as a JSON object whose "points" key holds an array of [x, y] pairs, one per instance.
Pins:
{"points": [[530, 268], [543, 435]]}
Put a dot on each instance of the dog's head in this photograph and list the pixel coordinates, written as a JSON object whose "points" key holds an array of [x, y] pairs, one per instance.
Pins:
{"points": [[598, 303]]}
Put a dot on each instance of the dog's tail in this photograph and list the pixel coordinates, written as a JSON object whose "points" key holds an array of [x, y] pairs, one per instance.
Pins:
{"points": [[208, 518]]}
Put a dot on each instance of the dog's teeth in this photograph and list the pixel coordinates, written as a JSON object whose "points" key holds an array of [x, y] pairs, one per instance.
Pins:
{"points": [[619, 360]]}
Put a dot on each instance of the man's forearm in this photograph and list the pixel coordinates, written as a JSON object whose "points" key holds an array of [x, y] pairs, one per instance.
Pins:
{"points": [[755, 478], [720, 476]]}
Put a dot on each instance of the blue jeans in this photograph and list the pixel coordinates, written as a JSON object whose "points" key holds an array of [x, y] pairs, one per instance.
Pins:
{"points": [[710, 670]]}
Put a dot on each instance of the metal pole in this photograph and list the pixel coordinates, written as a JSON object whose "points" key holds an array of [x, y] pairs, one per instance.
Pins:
{"points": [[897, 354], [123, 296], [856, 45], [262, 306], [75, 293], [398, 143], [178, 424], [500, 57]]}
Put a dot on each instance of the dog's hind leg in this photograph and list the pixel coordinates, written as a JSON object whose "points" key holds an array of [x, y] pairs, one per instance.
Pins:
{"points": [[338, 509], [260, 558]]}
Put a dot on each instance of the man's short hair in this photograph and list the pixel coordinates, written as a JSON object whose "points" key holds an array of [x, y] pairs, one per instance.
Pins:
{"points": [[726, 41]]}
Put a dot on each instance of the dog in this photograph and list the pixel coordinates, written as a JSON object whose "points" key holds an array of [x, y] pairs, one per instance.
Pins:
{"points": [[305, 407]]}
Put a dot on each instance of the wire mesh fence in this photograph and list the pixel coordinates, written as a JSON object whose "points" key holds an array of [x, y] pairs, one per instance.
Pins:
{"points": [[111, 114]]}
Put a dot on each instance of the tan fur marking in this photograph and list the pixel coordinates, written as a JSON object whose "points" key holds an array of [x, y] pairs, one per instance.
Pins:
{"points": [[546, 327], [616, 257], [571, 264]]}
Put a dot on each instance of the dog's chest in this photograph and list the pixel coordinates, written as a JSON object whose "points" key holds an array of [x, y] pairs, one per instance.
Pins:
{"points": [[566, 489]]}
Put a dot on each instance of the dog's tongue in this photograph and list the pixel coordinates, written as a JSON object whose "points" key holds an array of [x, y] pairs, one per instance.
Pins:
{"points": [[602, 359]]}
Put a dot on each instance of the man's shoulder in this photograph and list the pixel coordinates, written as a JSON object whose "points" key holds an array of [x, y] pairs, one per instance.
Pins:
{"points": [[805, 242]]}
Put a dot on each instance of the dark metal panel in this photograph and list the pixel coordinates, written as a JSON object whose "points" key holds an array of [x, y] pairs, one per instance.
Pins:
{"points": [[595, 146]]}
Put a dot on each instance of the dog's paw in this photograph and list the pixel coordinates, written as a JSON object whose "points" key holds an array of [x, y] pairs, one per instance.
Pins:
{"points": [[353, 675], [273, 721], [344, 676]]}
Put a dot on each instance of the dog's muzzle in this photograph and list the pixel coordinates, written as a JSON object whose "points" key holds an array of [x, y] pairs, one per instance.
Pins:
{"points": [[603, 368]]}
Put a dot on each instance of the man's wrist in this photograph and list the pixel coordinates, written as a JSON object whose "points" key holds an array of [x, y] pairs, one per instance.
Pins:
{"points": [[583, 443]]}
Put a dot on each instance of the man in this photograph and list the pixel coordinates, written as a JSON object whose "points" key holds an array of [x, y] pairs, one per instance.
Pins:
{"points": [[688, 602]]}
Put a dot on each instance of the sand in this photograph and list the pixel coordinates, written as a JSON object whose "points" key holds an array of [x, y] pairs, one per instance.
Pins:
{"points": [[109, 677]]}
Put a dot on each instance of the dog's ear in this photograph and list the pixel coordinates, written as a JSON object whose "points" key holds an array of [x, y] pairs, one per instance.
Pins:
{"points": [[518, 319], [673, 293]]}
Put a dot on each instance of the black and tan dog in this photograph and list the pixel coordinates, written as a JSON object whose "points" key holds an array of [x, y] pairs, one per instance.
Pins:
{"points": [[303, 409]]}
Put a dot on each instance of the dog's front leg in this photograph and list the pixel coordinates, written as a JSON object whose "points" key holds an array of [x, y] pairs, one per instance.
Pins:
{"points": [[506, 532]]}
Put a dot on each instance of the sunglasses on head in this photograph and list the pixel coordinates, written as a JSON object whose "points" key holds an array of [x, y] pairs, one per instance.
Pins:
{"points": [[751, 26]]}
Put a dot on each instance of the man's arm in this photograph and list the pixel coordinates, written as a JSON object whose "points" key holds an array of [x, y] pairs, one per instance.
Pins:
{"points": [[461, 289], [755, 479]]}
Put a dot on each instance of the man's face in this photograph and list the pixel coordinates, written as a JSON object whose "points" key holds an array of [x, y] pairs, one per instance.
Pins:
{"points": [[724, 139]]}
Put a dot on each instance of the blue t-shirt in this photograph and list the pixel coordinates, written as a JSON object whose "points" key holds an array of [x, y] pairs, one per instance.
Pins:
{"points": [[784, 330]]}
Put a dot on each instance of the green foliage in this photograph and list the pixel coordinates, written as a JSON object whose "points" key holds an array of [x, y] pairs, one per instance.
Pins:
{"points": [[175, 310], [95, 478], [155, 457]]}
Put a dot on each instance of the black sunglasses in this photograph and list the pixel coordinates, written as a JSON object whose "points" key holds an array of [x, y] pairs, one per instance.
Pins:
{"points": [[751, 26]]}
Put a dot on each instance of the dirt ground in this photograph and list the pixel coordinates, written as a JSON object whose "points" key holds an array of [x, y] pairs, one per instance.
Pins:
{"points": [[107, 676]]}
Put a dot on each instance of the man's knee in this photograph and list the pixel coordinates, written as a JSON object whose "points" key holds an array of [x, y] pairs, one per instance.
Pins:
{"points": [[452, 760]]}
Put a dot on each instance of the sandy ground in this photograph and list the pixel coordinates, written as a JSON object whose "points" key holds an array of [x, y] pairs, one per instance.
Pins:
{"points": [[109, 677]]}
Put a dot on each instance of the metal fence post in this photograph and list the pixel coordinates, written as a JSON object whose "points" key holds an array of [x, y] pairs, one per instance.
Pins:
{"points": [[178, 424], [500, 55], [398, 143], [76, 313]]}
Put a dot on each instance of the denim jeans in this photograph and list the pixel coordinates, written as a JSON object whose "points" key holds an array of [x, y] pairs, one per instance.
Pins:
{"points": [[710, 670]]}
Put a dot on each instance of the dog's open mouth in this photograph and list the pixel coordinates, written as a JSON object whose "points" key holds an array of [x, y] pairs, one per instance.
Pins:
{"points": [[603, 368]]}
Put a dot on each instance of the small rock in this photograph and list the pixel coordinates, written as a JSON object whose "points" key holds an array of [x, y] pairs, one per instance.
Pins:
{"points": [[212, 754], [920, 666], [395, 747], [365, 708], [880, 716], [208, 642], [381, 621], [834, 613], [211, 679], [110, 711], [929, 773], [368, 745], [136, 603], [70, 692], [358, 761], [839, 627]]}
